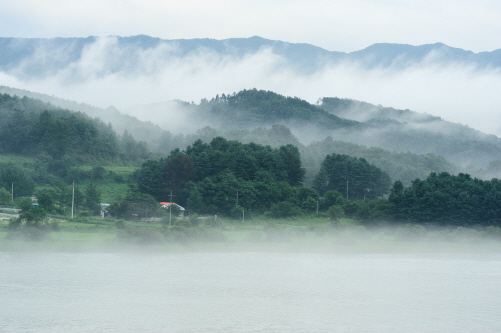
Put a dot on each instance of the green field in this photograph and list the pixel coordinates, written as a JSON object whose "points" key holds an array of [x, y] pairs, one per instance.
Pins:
{"points": [[300, 235], [15, 159], [111, 190]]}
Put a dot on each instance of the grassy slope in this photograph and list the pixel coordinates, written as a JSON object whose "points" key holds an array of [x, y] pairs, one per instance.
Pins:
{"points": [[301, 235], [111, 190], [15, 159]]}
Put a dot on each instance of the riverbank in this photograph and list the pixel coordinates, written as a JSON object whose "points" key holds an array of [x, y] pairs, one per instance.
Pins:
{"points": [[249, 238]]}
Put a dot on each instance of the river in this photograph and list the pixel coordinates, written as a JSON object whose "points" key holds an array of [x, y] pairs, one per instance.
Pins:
{"points": [[249, 292]]}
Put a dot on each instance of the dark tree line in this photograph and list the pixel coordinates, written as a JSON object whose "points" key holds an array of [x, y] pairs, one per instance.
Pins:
{"points": [[227, 177], [353, 176], [403, 166], [266, 107], [449, 199], [207, 176], [34, 128]]}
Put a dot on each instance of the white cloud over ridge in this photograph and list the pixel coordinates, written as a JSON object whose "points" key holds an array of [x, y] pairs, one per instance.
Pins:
{"points": [[336, 25], [456, 92]]}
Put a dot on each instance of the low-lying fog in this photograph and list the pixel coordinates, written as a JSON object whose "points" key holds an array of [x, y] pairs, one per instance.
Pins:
{"points": [[268, 279], [457, 92]]}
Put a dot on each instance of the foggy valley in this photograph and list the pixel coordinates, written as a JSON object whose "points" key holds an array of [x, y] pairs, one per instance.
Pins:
{"points": [[248, 185]]}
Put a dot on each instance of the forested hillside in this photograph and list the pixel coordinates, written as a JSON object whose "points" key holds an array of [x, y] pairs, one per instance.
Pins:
{"points": [[121, 122], [59, 139], [207, 176], [257, 170], [448, 199], [402, 166], [405, 130], [250, 108], [255, 107]]}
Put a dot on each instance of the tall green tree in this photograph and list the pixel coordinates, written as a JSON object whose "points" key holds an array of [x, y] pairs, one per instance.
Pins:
{"points": [[11, 174], [92, 198], [354, 177], [5, 196]]}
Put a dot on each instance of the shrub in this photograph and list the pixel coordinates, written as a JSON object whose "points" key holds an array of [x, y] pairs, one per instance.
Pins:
{"points": [[139, 235], [284, 209], [168, 220], [212, 221], [183, 223], [14, 224], [5, 196], [120, 224], [237, 212], [335, 213], [194, 220]]}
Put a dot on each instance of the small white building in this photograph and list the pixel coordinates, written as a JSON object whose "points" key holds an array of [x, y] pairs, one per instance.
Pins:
{"points": [[181, 208]]}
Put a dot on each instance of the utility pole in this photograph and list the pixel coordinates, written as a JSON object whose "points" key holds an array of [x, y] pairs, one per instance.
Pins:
{"points": [[237, 197], [243, 215], [73, 200], [12, 191], [170, 209]]}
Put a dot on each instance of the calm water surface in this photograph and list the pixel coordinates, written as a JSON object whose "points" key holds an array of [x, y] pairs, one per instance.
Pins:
{"points": [[249, 292]]}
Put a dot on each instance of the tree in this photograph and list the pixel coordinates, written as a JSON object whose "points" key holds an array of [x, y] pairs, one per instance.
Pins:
{"points": [[135, 204], [34, 216], [5, 196], [97, 172], [291, 160], [179, 171], [307, 198], [335, 213], [45, 201], [151, 179], [450, 199], [9, 173], [284, 209], [92, 198], [354, 177], [332, 198]]}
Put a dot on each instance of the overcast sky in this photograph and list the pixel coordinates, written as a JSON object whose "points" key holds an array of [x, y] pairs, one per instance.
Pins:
{"points": [[457, 93], [336, 25]]}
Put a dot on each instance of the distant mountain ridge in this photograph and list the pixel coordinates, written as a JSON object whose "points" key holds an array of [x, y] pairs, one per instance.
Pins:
{"points": [[404, 143], [25, 56], [341, 119]]}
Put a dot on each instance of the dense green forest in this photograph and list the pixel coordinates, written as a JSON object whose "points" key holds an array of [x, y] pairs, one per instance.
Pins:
{"points": [[249, 108], [355, 176], [264, 170], [405, 130], [223, 176], [59, 139], [448, 199]]}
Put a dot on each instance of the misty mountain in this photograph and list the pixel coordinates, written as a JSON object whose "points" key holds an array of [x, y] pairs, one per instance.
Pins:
{"points": [[406, 130], [343, 120], [62, 138], [251, 108], [141, 130], [404, 143], [185, 121], [400, 55], [27, 57]]}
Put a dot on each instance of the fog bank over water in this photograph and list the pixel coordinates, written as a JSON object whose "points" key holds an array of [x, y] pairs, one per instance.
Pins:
{"points": [[103, 76], [249, 292]]}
